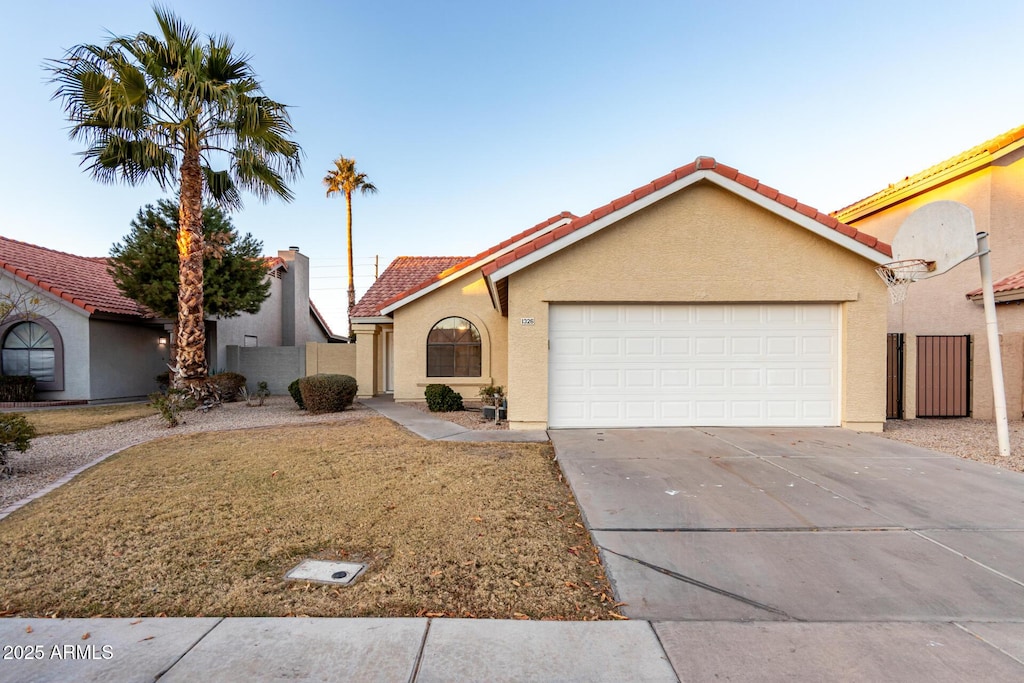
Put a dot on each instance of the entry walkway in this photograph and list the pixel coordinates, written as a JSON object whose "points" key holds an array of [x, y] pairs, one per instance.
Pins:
{"points": [[436, 429]]}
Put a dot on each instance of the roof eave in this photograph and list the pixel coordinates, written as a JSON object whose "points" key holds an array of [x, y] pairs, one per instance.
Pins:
{"points": [[373, 320], [1009, 296], [869, 206]]}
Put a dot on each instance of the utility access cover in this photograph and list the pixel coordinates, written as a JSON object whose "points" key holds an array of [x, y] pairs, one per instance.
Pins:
{"points": [[326, 571]]}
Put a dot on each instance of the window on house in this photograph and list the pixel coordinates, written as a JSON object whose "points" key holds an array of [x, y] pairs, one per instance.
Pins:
{"points": [[29, 350], [453, 349], [250, 340]]}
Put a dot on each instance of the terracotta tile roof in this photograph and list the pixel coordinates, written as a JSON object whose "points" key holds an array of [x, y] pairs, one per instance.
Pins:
{"points": [[700, 164], [404, 273], [919, 182], [80, 280], [468, 262], [1010, 287]]}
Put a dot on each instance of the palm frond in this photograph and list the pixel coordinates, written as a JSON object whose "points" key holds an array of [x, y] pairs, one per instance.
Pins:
{"points": [[221, 189], [113, 158], [257, 173]]}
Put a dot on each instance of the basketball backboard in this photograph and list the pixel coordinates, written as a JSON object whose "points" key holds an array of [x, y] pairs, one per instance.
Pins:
{"points": [[941, 232]]}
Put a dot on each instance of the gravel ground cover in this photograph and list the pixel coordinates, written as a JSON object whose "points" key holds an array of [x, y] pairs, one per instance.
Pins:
{"points": [[964, 437], [52, 457]]}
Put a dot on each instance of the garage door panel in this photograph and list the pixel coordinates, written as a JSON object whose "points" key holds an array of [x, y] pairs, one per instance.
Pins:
{"points": [[678, 365], [709, 314]]}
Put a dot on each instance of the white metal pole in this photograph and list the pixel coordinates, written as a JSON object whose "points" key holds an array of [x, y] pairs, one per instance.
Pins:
{"points": [[995, 356]]}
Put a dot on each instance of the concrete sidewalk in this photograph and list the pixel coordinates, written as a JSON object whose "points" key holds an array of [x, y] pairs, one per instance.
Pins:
{"points": [[304, 649]]}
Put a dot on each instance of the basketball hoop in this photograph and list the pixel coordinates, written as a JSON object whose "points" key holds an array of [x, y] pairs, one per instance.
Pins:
{"points": [[899, 274]]}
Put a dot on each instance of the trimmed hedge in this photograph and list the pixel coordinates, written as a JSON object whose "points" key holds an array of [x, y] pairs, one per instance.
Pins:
{"points": [[296, 393], [327, 393], [228, 385], [17, 388], [441, 398]]}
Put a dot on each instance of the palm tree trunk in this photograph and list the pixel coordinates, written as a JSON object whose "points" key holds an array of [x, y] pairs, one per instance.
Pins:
{"points": [[351, 278], [191, 330]]}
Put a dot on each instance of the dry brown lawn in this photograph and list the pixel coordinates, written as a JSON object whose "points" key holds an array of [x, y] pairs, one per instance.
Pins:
{"points": [[70, 420], [208, 524]]}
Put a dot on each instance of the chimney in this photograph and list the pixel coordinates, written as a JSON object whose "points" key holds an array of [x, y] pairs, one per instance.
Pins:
{"points": [[294, 298]]}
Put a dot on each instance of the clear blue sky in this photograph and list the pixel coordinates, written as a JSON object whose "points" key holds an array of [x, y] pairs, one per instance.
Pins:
{"points": [[478, 119]]}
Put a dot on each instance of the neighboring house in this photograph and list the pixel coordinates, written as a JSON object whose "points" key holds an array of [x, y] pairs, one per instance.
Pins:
{"points": [[701, 298], [87, 342], [941, 324]]}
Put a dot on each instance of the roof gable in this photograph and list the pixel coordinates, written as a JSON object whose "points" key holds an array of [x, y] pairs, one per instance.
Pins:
{"points": [[952, 168], [81, 281], [487, 256], [703, 169]]}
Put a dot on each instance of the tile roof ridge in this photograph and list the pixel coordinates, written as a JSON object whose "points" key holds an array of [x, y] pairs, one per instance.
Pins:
{"points": [[54, 251], [990, 147], [701, 163]]}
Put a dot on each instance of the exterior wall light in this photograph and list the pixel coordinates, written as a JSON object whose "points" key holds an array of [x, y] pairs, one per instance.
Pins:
{"points": [[162, 341]]}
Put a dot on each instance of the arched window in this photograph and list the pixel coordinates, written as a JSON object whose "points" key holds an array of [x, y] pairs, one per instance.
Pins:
{"points": [[453, 349], [29, 350]]}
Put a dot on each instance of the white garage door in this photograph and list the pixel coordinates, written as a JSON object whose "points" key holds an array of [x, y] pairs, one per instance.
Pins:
{"points": [[684, 365]]}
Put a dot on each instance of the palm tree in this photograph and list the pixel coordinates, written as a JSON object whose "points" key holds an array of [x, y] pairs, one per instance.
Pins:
{"points": [[166, 107], [344, 179]]}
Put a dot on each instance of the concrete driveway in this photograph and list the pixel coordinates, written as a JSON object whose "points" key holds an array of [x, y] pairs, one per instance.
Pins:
{"points": [[858, 534]]}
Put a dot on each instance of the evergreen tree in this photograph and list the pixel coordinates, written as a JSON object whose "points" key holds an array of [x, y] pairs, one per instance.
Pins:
{"points": [[145, 265]]}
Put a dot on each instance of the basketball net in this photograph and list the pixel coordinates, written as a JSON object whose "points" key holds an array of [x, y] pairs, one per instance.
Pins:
{"points": [[899, 274]]}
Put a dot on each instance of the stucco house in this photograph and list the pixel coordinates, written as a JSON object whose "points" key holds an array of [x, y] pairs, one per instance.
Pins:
{"points": [[702, 298], [87, 342], [939, 331]]}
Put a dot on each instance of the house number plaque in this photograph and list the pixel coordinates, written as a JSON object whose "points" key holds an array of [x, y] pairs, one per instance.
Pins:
{"points": [[526, 321]]}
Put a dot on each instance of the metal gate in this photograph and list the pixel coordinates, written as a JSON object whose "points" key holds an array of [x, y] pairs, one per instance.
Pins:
{"points": [[894, 377], [944, 376]]}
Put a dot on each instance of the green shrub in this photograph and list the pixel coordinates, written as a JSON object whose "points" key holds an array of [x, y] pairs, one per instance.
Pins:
{"points": [[487, 394], [441, 398], [296, 393], [256, 398], [170, 404], [228, 385], [327, 393], [16, 434], [17, 388]]}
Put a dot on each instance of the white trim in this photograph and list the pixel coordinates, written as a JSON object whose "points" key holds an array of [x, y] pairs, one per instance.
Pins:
{"points": [[373, 320], [791, 215], [475, 264]]}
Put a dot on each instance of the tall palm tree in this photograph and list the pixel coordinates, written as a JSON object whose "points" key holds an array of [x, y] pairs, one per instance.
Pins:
{"points": [[344, 179], [167, 107]]}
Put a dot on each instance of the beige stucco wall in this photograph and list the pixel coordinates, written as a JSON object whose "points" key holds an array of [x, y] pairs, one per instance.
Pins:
{"points": [[703, 244], [466, 297], [338, 359], [938, 306]]}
